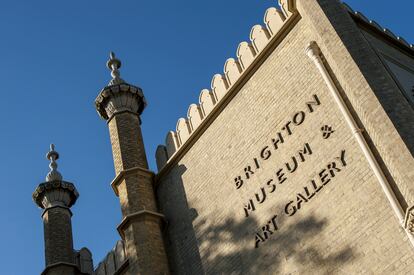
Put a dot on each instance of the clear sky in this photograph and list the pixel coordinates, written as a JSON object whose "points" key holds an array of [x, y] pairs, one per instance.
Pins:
{"points": [[52, 66]]}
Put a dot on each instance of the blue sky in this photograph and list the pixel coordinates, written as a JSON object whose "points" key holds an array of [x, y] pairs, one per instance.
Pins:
{"points": [[52, 67]]}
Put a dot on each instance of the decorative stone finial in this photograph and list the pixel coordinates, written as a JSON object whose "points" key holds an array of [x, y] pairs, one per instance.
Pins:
{"points": [[119, 96], [114, 64], [52, 155]]}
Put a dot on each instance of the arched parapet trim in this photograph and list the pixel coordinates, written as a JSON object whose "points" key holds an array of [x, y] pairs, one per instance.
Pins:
{"points": [[245, 54], [120, 255], [274, 20], [195, 116], [378, 27], [161, 156], [110, 266], [288, 7], [259, 36], [219, 86], [207, 101], [277, 24], [172, 144], [115, 261], [232, 71], [183, 130]]}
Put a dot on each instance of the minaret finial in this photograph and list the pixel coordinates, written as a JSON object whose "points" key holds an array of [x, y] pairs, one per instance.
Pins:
{"points": [[114, 64], [52, 155]]}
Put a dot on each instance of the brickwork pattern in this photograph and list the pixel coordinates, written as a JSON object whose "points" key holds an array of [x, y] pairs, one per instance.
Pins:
{"points": [[145, 242], [136, 193], [127, 143], [143, 237], [345, 228], [58, 236]]}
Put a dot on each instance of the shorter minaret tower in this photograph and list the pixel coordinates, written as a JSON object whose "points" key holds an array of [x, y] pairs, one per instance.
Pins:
{"points": [[56, 197]]}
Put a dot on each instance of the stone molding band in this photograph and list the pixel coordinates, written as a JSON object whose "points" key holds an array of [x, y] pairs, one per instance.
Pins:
{"points": [[58, 264], [126, 172], [57, 206], [138, 215], [124, 111]]}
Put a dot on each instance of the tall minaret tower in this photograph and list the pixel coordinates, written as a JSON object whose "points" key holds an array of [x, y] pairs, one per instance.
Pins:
{"points": [[56, 197], [121, 105]]}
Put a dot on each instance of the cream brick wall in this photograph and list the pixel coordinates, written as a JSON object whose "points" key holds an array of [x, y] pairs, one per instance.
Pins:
{"points": [[347, 227]]}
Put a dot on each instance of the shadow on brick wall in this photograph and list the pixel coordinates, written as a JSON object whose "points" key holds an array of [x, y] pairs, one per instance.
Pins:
{"points": [[228, 250], [198, 245], [180, 238]]}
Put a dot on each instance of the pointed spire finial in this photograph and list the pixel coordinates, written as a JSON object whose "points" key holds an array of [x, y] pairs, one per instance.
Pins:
{"points": [[52, 155], [114, 64]]}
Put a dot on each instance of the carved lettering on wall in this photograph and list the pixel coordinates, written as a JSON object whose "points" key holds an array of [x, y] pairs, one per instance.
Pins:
{"points": [[284, 171], [326, 131], [303, 196], [325, 175], [281, 175], [289, 129]]}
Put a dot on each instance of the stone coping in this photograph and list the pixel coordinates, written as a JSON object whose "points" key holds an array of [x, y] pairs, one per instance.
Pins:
{"points": [[138, 215], [42, 188], [115, 182], [109, 91]]}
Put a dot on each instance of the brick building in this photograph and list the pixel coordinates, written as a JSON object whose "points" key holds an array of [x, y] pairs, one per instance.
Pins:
{"points": [[299, 160]]}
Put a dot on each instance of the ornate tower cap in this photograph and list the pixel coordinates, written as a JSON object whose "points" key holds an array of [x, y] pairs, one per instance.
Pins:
{"points": [[55, 191], [119, 96]]}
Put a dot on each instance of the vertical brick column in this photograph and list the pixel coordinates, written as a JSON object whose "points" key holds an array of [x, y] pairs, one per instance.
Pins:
{"points": [[121, 105], [58, 235], [127, 143], [128, 151]]}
